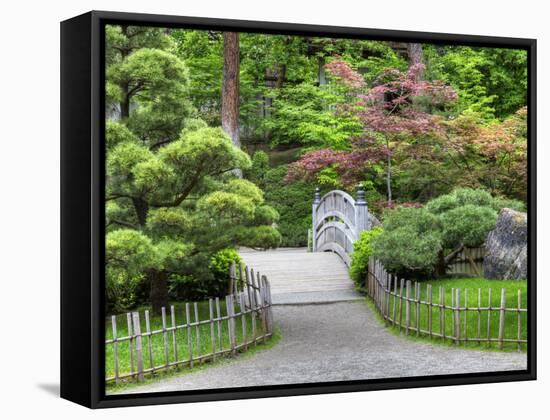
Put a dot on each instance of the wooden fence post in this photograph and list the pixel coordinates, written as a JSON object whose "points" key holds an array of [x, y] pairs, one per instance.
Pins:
{"points": [[164, 335], [139, 351], [270, 301], [267, 307], [430, 308], [417, 286], [479, 316], [401, 304], [457, 317], [394, 301], [241, 278], [442, 312], [465, 317], [230, 322], [387, 299], [130, 342], [198, 331], [408, 308], [189, 333], [115, 347], [174, 341], [212, 335], [453, 315], [501, 318], [519, 320], [232, 279], [247, 280], [218, 320], [149, 341], [243, 321], [489, 309]]}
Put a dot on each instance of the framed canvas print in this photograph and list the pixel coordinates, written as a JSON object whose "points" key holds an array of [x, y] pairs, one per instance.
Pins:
{"points": [[255, 209]]}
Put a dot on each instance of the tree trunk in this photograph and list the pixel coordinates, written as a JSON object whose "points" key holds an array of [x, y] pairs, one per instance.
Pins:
{"points": [[159, 290], [416, 56], [440, 266], [125, 105], [230, 88], [142, 208]]}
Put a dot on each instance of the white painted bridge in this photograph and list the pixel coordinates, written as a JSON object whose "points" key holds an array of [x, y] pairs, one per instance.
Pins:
{"points": [[299, 277], [321, 276]]}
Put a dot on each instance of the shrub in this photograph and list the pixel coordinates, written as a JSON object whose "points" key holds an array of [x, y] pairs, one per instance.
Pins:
{"points": [[501, 202], [221, 261], [424, 241], [362, 250], [260, 165], [467, 225]]}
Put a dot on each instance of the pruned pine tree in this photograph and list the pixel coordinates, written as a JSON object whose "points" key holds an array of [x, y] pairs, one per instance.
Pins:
{"points": [[172, 197]]}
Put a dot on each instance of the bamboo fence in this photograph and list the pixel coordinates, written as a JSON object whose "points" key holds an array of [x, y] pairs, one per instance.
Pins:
{"points": [[468, 261], [249, 297], [399, 303]]}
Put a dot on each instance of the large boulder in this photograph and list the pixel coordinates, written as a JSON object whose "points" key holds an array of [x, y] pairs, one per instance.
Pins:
{"points": [[506, 247], [373, 221]]}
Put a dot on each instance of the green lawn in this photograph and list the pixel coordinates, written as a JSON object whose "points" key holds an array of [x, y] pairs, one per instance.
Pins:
{"points": [[473, 323], [203, 332]]}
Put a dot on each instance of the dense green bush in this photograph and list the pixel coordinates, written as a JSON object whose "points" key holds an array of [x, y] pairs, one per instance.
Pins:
{"points": [[221, 261], [410, 242], [419, 242], [257, 171], [362, 251]]}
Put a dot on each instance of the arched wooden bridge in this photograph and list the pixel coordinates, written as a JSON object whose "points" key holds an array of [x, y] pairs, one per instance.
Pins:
{"points": [[319, 274]]}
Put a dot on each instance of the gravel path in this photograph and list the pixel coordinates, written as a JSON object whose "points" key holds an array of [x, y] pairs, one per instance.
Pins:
{"points": [[335, 342]]}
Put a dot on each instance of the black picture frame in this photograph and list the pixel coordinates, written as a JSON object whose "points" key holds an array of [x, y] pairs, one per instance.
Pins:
{"points": [[82, 212]]}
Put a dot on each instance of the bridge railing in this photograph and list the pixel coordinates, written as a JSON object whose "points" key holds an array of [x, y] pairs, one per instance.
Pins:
{"points": [[337, 221]]}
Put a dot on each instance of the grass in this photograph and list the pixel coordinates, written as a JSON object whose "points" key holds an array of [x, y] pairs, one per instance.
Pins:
{"points": [[201, 334], [472, 322]]}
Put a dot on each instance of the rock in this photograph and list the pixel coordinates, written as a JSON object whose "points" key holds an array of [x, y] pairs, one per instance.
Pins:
{"points": [[506, 247], [373, 221]]}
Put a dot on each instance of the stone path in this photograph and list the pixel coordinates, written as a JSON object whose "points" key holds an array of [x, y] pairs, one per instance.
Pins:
{"points": [[336, 342]]}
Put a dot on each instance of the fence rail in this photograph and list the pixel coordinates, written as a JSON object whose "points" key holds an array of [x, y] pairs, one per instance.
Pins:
{"points": [[400, 304], [247, 321]]}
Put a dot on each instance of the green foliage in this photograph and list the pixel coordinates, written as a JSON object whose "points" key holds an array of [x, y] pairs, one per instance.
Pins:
{"points": [[261, 237], [409, 243], [129, 254], [260, 165], [131, 251], [459, 197], [116, 133], [292, 201], [467, 225], [246, 189], [221, 261], [416, 241], [266, 215], [490, 81], [169, 222], [501, 202], [304, 114], [362, 251]]}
